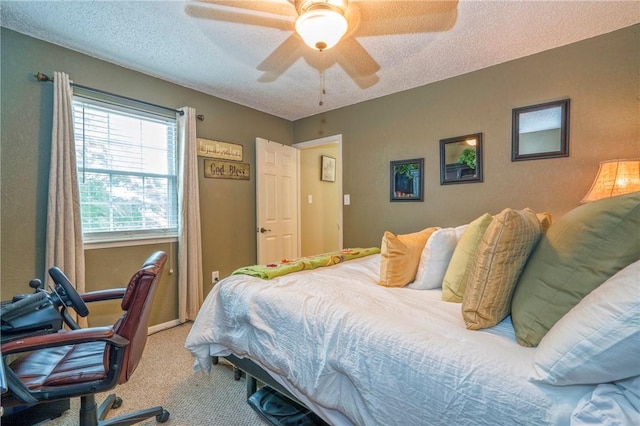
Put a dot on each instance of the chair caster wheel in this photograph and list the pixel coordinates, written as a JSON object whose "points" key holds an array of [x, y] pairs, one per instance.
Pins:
{"points": [[117, 402], [161, 418]]}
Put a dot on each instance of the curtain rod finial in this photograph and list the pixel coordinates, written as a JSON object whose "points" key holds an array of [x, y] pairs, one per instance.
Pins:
{"points": [[42, 77]]}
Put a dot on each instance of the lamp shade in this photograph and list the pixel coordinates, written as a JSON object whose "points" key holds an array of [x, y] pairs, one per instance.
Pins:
{"points": [[321, 26], [615, 177]]}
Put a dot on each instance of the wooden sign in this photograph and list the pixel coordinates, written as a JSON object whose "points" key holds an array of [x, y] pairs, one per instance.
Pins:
{"points": [[217, 149], [226, 170]]}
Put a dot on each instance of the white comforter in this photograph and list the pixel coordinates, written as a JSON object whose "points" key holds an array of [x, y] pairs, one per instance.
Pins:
{"points": [[359, 353]]}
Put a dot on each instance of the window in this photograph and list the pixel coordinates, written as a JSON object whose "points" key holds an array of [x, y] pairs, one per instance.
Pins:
{"points": [[127, 171]]}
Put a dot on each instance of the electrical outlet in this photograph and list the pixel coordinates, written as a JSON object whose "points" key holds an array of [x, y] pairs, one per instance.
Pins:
{"points": [[215, 277]]}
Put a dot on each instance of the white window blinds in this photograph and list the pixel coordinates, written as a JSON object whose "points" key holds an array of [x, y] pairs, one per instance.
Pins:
{"points": [[127, 171]]}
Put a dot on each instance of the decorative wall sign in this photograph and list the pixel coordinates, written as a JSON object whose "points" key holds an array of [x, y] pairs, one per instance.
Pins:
{"points": [[217, 149], [226, 170]]}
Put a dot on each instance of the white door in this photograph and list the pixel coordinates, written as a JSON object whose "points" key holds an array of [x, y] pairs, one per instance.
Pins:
{"points": [[276, 202]]}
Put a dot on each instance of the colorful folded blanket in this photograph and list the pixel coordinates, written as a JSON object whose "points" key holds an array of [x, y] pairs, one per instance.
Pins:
{"points": [[272, 270]]}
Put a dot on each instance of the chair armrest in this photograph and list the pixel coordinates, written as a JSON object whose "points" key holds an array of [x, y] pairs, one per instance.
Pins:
{"points": [[82, 335], [99, 295]]}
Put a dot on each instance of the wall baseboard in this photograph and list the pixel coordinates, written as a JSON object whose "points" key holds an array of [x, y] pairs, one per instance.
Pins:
{"points": [[164, 326]]}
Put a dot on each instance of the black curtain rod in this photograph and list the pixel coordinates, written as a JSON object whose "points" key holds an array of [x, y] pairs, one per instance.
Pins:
{"points": [[43, 77]]}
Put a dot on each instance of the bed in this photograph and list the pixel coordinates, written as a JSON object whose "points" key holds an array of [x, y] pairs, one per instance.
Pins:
{"points": [[358, 353]]}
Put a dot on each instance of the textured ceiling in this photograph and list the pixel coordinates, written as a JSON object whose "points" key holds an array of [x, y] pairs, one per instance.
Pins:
{"points": [[246, 52]]}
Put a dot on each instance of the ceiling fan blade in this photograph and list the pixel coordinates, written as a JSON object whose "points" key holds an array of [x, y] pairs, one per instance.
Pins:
{"points": [[281, 59], [279, 7], [373, 18], [355, 60], [363, 81], [222, 12]]}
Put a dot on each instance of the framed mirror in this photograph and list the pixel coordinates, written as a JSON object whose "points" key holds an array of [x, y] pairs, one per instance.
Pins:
{"points": [[541, 131], [406, 180], [461, 159]]}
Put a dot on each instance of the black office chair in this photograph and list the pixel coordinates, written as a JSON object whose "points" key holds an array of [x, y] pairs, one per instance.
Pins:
{"points": [[83, 362]]}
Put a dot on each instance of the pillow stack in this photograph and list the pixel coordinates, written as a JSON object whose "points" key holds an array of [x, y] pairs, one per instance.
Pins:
{"points": [[487, 263]]}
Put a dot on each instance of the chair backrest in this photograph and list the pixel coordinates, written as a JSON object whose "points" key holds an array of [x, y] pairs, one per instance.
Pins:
{"points": [[136, 304]]}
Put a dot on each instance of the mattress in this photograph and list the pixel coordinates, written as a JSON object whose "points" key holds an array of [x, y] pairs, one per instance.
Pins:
{"points": [[359, 353]]}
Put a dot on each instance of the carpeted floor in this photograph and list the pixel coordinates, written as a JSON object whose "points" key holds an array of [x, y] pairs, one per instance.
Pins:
{"points": [[165, 377]]}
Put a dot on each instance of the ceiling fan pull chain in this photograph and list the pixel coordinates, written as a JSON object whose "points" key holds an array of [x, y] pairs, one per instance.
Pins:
{"points": [[322, 91]]}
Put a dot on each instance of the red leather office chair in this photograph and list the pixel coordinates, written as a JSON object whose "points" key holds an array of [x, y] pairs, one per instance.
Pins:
{"points": [[83, 362]]}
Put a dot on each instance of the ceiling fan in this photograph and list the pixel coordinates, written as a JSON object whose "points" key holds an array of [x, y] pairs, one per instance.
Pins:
{"points": [[325, 32]]}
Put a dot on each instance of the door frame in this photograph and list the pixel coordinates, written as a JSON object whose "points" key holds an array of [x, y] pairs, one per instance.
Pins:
{"points": [[328, 140]]}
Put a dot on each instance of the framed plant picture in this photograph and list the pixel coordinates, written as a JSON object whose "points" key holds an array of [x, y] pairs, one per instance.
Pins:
{"points": [[407, 180], [461, 159]]}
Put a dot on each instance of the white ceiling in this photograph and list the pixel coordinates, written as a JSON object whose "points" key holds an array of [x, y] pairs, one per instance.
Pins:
{"points": [[179, 41]]}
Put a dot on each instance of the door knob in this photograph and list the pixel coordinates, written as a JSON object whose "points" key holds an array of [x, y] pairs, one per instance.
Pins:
{"points": [[263, 230]]}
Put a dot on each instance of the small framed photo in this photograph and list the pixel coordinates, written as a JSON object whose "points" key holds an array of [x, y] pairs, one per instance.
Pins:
{"points": [[406, 180], [328, 169]]}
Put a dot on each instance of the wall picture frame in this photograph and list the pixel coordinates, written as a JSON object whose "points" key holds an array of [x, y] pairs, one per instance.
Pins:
{"points": [[461, 159], [540, 131], [406, 180], [327, 168]]}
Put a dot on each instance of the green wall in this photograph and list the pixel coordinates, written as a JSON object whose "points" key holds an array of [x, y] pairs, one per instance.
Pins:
{"points": [[599, 75], [227, 206]]}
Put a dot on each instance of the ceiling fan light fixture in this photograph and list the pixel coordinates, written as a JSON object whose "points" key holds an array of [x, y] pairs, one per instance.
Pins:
{"points": [[321, 26]]}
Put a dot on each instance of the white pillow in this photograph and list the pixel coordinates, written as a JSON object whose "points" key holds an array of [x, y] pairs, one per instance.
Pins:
{"points": [[598, 340], [435, 258]]}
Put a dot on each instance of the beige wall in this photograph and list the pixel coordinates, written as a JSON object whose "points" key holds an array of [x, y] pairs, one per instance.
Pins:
{"points": [[318, 220], [599, 75], [227, 206]]}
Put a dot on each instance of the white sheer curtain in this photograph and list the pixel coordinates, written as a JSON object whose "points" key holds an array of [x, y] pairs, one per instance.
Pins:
{"points": [[64, 247], [189, 239]]}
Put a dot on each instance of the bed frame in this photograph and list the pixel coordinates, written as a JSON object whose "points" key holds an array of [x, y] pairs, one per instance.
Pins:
{"points": [[255, 373]]}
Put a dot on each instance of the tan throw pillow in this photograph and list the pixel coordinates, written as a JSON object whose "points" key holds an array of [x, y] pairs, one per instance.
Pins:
{"points": [[500, 258], [455, 279], [400, 255]]}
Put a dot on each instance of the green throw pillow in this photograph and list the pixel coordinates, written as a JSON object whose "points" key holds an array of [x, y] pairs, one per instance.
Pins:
{"points": [[455, 279], [579, 252]]}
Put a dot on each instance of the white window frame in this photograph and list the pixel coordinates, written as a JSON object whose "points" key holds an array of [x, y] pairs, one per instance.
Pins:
{"points": [[137, 236]]}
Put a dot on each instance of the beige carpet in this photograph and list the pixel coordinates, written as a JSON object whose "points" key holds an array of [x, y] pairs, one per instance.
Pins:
{"points": [[165, 377]]}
